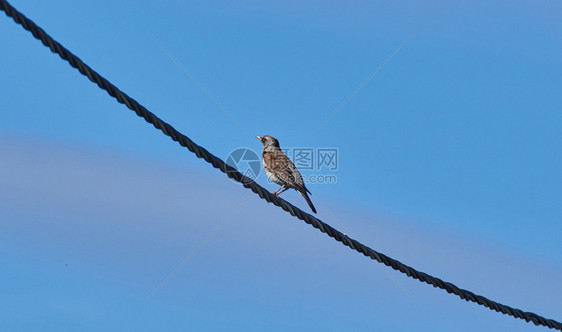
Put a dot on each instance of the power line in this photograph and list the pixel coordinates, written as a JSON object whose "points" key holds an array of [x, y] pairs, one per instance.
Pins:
{"points": [[263, 193]]}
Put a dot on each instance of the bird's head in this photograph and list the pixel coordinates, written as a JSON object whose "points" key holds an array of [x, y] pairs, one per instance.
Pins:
{"points": [[268, 141]]}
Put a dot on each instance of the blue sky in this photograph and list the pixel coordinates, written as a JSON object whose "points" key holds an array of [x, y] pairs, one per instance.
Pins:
{"points": [[449, 160]]}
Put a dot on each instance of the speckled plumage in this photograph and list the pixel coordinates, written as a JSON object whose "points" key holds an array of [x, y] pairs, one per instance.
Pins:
{"points": [[281, 170]]}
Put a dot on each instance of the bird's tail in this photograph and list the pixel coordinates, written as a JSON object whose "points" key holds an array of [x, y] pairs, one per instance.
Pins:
{"points": [[305, 195]]}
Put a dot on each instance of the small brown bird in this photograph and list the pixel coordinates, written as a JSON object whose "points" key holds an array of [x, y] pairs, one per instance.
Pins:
{"points": [[281, 170]]}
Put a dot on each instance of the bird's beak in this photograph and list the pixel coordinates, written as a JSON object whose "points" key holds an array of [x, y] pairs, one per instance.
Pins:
{"points": [[260, 138]]}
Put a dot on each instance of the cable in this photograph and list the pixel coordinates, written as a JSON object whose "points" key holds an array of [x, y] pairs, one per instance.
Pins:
{"points": [[263, 193]]}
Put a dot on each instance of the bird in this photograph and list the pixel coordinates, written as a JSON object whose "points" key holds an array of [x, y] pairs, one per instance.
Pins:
{"points": [[281, 170]]}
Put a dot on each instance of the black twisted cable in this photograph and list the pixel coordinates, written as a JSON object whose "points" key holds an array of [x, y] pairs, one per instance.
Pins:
{"points": [[200, 152]]}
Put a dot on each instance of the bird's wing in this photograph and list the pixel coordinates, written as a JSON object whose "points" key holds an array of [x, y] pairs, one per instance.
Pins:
{"points": [[297, 177], [279, 164], [286, 170]]}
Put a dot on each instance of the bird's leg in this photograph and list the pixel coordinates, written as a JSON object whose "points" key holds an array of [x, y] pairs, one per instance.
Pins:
{"points": [[280, 191], [276, 192]]}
